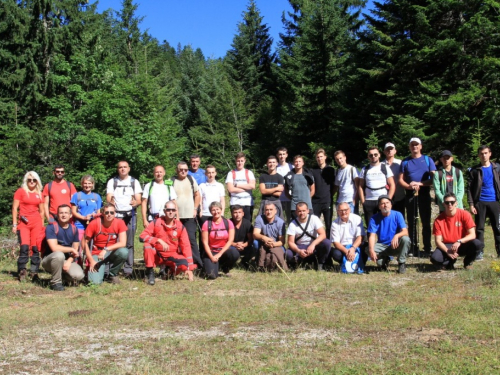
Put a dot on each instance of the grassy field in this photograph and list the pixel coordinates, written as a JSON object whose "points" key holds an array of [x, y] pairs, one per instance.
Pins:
{"points": [[305, 322]]}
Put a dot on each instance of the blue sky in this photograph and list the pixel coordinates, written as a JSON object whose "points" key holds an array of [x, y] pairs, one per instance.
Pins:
{"points": [[209, 25]]}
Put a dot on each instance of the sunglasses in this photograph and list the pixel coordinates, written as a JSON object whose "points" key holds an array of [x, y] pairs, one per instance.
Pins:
{"points": [[109, 212], [169, 210], [183, 170], [372, 155], [59, 172], [449, 202], [31, 180]]}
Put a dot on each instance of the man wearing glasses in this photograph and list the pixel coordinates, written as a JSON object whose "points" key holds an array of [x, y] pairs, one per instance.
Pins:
{"points": [[166, 242], [109, 235], [56, 193], [455, 235], [188, 201], [375, 180]]}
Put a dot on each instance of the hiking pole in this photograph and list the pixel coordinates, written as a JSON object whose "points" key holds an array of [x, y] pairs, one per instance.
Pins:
{"points": [[415, 224]]}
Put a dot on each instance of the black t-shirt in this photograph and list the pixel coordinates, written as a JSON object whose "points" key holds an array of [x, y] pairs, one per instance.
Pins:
{"points": [[324, 180], [449, 181], [241, 234], [271, 181]]}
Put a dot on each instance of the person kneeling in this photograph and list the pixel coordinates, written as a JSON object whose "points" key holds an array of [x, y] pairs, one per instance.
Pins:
{"points": [[390, 229], [217, 235], [110, 245], [455, 235], [166, 242], [62, 250], [347, 235]]}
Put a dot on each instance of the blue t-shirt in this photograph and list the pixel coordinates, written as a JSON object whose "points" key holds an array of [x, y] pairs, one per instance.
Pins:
{"points": [[417, 169], [199, 176], [86, 204], [272, 230], [488, 187], [65, 237], [386, 227]]}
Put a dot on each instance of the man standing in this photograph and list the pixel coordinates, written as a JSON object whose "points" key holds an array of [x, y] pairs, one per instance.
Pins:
{"points": [[346, 181], [166, 242], [156, 194], [307, 240], [324, 182], [243, 235], [188, 201], [269, 232], [124, 192], [211, 191], [395, 165], [299, 184], [63, 245], [483, 194], [455, 236], [56, 193], [283, 168], [240, 183], [415, 176], [388, 236], [347, 235], [271, 185], [448, 179], [195, 171], [375, 180]]}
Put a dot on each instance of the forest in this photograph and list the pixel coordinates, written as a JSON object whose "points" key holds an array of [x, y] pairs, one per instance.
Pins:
{"points": [[87, 89]]}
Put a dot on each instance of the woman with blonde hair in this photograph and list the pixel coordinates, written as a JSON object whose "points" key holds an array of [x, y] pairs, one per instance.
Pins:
{"points": [[27, 223]]}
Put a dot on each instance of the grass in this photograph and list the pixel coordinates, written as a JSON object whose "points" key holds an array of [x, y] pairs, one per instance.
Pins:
{"points": [[422, 322]]}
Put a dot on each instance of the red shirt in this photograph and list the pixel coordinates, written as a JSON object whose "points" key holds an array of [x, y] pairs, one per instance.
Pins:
{"points": [[453, 228], [175, 236], [28, 202], [103, 236], [218, 236], [59, 194]]}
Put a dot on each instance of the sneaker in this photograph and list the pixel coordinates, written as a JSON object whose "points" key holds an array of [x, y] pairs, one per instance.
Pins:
{"points": [[57, 287], [151, 277], [22, 275], [479, 256], [113, 280], [321, 267], [402, 268]]}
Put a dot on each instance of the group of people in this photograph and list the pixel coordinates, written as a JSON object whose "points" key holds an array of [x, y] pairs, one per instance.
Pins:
{"points": [[287, 231]]}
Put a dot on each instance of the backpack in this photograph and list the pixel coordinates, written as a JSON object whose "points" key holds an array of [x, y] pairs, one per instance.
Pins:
{"points": [[246, 175], [79, 197], [304, 231], [189, 177], [167, 182], [356, 266], [290, 176], [383, 168], [42, 239], [226, 226], [50, 188], [404, 164], [116, 179], [440, 174]]}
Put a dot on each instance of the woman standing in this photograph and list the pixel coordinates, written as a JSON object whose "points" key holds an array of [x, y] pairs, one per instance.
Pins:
{"points": [[27, 223], [217, 235], [85, 204]]}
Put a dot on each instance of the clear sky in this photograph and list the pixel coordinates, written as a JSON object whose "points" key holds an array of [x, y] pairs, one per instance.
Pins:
{"points": [[206, 24]]}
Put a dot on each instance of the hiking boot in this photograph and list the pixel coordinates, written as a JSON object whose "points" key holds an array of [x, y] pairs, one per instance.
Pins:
{"points": [[150, 272], [385, 264], [479, 256], [468, 267], [113, 280], [402, 268], [127, 276], [57, 287], [34, 277], [321, 267], [22, 275]]}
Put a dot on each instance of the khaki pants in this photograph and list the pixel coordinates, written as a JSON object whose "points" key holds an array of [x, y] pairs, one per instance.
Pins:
{"points": [[54, 262]]}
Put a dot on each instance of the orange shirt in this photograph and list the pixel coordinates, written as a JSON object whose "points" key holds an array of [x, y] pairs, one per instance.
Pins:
{"points": [[453, 228]]}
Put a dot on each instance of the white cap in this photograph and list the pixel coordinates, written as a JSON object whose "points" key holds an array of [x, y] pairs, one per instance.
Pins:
{"points": [[389, 144], [415, 139]]}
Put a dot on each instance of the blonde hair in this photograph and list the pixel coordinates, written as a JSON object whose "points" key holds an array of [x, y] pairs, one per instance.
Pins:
{"points": [[87, 177], [34, 175]]}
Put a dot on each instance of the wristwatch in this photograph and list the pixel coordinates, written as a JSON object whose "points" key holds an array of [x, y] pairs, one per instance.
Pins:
{"points": [[459, 241], [105, 248]]}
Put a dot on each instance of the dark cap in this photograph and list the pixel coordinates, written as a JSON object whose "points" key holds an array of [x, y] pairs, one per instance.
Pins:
{"points": [[446, 153], [383, 197]]}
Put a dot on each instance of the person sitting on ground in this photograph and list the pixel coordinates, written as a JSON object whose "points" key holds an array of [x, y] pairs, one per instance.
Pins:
{"points": [[269, 235], [388, 236], [62, 251], [217, 236], [166, 242], [85, 204], [243, 235], [109, 247], [347, 235], [27, 223], [455, 235], [307, 240]]}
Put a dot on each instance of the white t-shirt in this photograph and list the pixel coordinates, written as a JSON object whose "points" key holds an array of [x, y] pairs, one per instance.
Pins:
{"points": [[395, 167], [123, 192], [159, 196], [346, 233], [294, 230], [210, 192], [283, 170], [375, 179], [245, 198], [344, 179]]}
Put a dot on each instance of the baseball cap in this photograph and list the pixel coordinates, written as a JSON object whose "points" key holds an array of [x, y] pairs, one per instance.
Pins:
{"points": [[415, 139], [446, 153], [389, 144], [384, 197]]}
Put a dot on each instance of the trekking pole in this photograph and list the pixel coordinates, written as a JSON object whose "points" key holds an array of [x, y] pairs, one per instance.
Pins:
{"points": [[415, 224]]}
